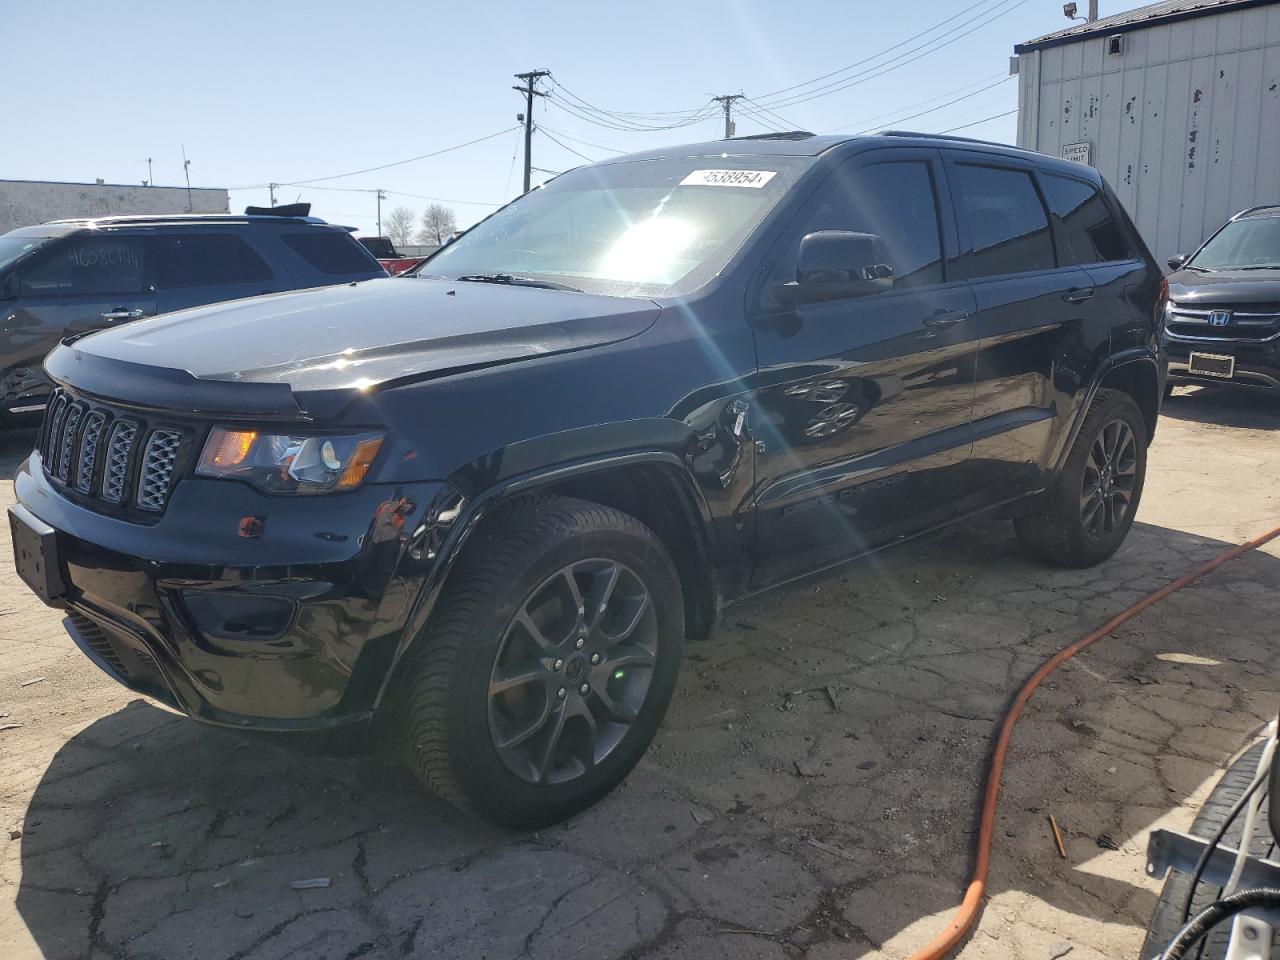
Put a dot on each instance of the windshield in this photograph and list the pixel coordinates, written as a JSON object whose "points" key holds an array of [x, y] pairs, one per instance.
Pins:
{"points": [[1253, 242], [13, 246], [637, 228]]}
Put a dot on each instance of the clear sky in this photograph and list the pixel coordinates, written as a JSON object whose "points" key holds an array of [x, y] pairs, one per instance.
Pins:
{"points": [[286, 91]]}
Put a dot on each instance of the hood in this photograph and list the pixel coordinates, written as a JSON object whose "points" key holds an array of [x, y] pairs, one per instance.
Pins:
{"points": [[355, 337], [1190, 287]]}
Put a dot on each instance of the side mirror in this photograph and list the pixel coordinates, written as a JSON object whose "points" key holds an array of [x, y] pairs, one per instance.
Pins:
{"points": [[1175, 263], [837, 264]]}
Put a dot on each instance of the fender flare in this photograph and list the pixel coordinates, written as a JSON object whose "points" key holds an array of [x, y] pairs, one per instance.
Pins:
{"points": [[473, 512], [1112, 363]]}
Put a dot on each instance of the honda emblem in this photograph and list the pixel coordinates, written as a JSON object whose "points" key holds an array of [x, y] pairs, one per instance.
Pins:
{"points": [[1219, 318]]}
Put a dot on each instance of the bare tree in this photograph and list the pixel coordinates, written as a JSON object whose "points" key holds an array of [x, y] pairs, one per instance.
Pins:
{"points": [[437, 223], [398, 225]]}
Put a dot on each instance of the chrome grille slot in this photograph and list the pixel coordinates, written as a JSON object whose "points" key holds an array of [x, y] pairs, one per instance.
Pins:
{"points": [[123, 462], [57, 410], [67, 445], [157, 469], [93, 425], [116, 473]]}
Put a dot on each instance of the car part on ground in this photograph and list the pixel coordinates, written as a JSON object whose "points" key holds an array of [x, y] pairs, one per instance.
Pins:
{"points": [[737, 369], [970, 907]]}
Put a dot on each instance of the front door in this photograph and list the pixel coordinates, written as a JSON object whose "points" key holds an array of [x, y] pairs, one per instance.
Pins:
{"points": [[77, 285], [862, 415]]}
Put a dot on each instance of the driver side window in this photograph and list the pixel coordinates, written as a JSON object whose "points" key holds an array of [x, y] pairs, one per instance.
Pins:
{"points": [[895, 201]]}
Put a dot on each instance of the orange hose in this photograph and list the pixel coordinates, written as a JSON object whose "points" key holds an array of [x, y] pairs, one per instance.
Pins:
{"points": [[967, 912]]}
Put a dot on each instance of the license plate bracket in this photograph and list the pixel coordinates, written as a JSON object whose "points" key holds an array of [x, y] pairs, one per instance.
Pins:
{"points": [[1217, 365], [35, 554]]}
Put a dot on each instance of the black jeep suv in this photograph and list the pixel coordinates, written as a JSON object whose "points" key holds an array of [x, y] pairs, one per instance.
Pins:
{"points": [[480, 508], [1222, 315], [68, 277]]}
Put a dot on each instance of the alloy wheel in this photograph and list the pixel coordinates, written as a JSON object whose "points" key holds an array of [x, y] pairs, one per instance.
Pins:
{"points": [[1110, 474], [572, 672]]}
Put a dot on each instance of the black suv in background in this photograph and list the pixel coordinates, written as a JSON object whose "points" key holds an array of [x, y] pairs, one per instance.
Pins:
{"points": [[1222, 315], [480, 507], [69, 277]]}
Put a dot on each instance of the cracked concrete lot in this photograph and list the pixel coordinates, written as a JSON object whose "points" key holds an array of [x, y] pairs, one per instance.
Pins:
{"points": [[811, 794]]}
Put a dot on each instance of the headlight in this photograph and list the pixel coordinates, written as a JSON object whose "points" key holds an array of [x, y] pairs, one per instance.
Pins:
{"points": [[288, 463]]}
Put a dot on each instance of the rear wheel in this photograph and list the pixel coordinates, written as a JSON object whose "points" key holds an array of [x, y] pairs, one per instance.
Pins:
{"points": [[1085, 516], [548, 663]]}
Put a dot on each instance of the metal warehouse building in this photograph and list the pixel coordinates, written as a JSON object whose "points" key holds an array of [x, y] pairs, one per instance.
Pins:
{"points": [[1177, 104]]}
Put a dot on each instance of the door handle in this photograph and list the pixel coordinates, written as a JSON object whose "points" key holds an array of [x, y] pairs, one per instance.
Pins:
{"points": [[120, 313], [946, 318], [1078, 294]]}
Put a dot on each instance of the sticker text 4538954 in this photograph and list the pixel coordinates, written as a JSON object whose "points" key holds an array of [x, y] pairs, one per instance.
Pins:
{"points": [[728, 178]]}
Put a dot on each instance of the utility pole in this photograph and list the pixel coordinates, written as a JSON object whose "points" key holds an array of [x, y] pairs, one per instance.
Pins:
{"points": [[382, 195], [186, 169], [727, 102], [1093, 10], [272, 188], [151, 181], [530, 91]]}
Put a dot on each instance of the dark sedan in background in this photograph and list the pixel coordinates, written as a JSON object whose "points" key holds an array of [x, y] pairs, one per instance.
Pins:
{"points": [[1222, 315]]}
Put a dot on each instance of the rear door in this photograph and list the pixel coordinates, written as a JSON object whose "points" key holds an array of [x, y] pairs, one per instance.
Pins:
{"points": [[79, 284], [862, 416], [198, 268], [1030, 313]]}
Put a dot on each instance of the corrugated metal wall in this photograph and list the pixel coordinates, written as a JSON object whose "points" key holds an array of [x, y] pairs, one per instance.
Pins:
{"points": [[1184, 124]]}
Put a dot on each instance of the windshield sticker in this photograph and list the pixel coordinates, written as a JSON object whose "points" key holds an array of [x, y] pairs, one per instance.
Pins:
{"points": [[728, 178]]}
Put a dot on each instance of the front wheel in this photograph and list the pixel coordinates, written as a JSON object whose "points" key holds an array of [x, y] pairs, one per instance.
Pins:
{"points": [[1085, 516], [548, 663]]}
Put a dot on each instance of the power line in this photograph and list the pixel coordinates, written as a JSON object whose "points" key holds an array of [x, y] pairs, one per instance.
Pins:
{"points": [[543, 131], [908, 57], [964, 11], [865, 126], [585, 143], [398, 193], [382, 166], [965, 126], [786, 124]]}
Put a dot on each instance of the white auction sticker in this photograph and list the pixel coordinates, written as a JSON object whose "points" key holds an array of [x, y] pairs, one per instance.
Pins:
{"points": [[728, 178]]}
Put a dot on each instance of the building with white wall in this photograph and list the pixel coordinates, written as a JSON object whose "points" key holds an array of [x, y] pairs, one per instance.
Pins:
{"points": [[26, 202], [1177, 104]]}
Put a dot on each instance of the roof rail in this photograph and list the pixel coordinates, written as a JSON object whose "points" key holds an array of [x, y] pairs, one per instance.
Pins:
{"points": [[1262, 206], [139, 218], [946, 136], [780, 135]]}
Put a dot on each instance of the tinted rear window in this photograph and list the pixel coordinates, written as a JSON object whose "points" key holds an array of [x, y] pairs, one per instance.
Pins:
{"points": [[206, 261], [332, 253], [1089, 232], [1009, 228]]}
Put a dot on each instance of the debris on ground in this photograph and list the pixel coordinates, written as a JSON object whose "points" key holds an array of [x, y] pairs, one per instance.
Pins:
{"points": [[805, 769], [9, 726], [15, 834], [1059, 950], [27, 683], [314, 883], [1106, 843], [832, 849], [1057, 837], [700, 818]]}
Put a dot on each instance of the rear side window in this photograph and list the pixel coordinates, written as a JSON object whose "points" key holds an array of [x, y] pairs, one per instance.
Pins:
{"points": [[1007, 222], [895, 201], [92, 266], [1089, 232], [333, 253], [206, 262]]}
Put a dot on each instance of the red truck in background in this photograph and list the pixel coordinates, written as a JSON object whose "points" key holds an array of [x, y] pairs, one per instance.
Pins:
{"points": [[385, 251]]}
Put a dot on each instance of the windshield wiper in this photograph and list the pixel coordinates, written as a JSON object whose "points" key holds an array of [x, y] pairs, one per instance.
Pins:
{"points": [[515, 281], [1261, 266]]}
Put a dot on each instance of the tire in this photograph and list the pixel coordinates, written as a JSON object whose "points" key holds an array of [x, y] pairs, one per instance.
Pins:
{"points": [[511, 645], [1167, 920], [1070, 527]]}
